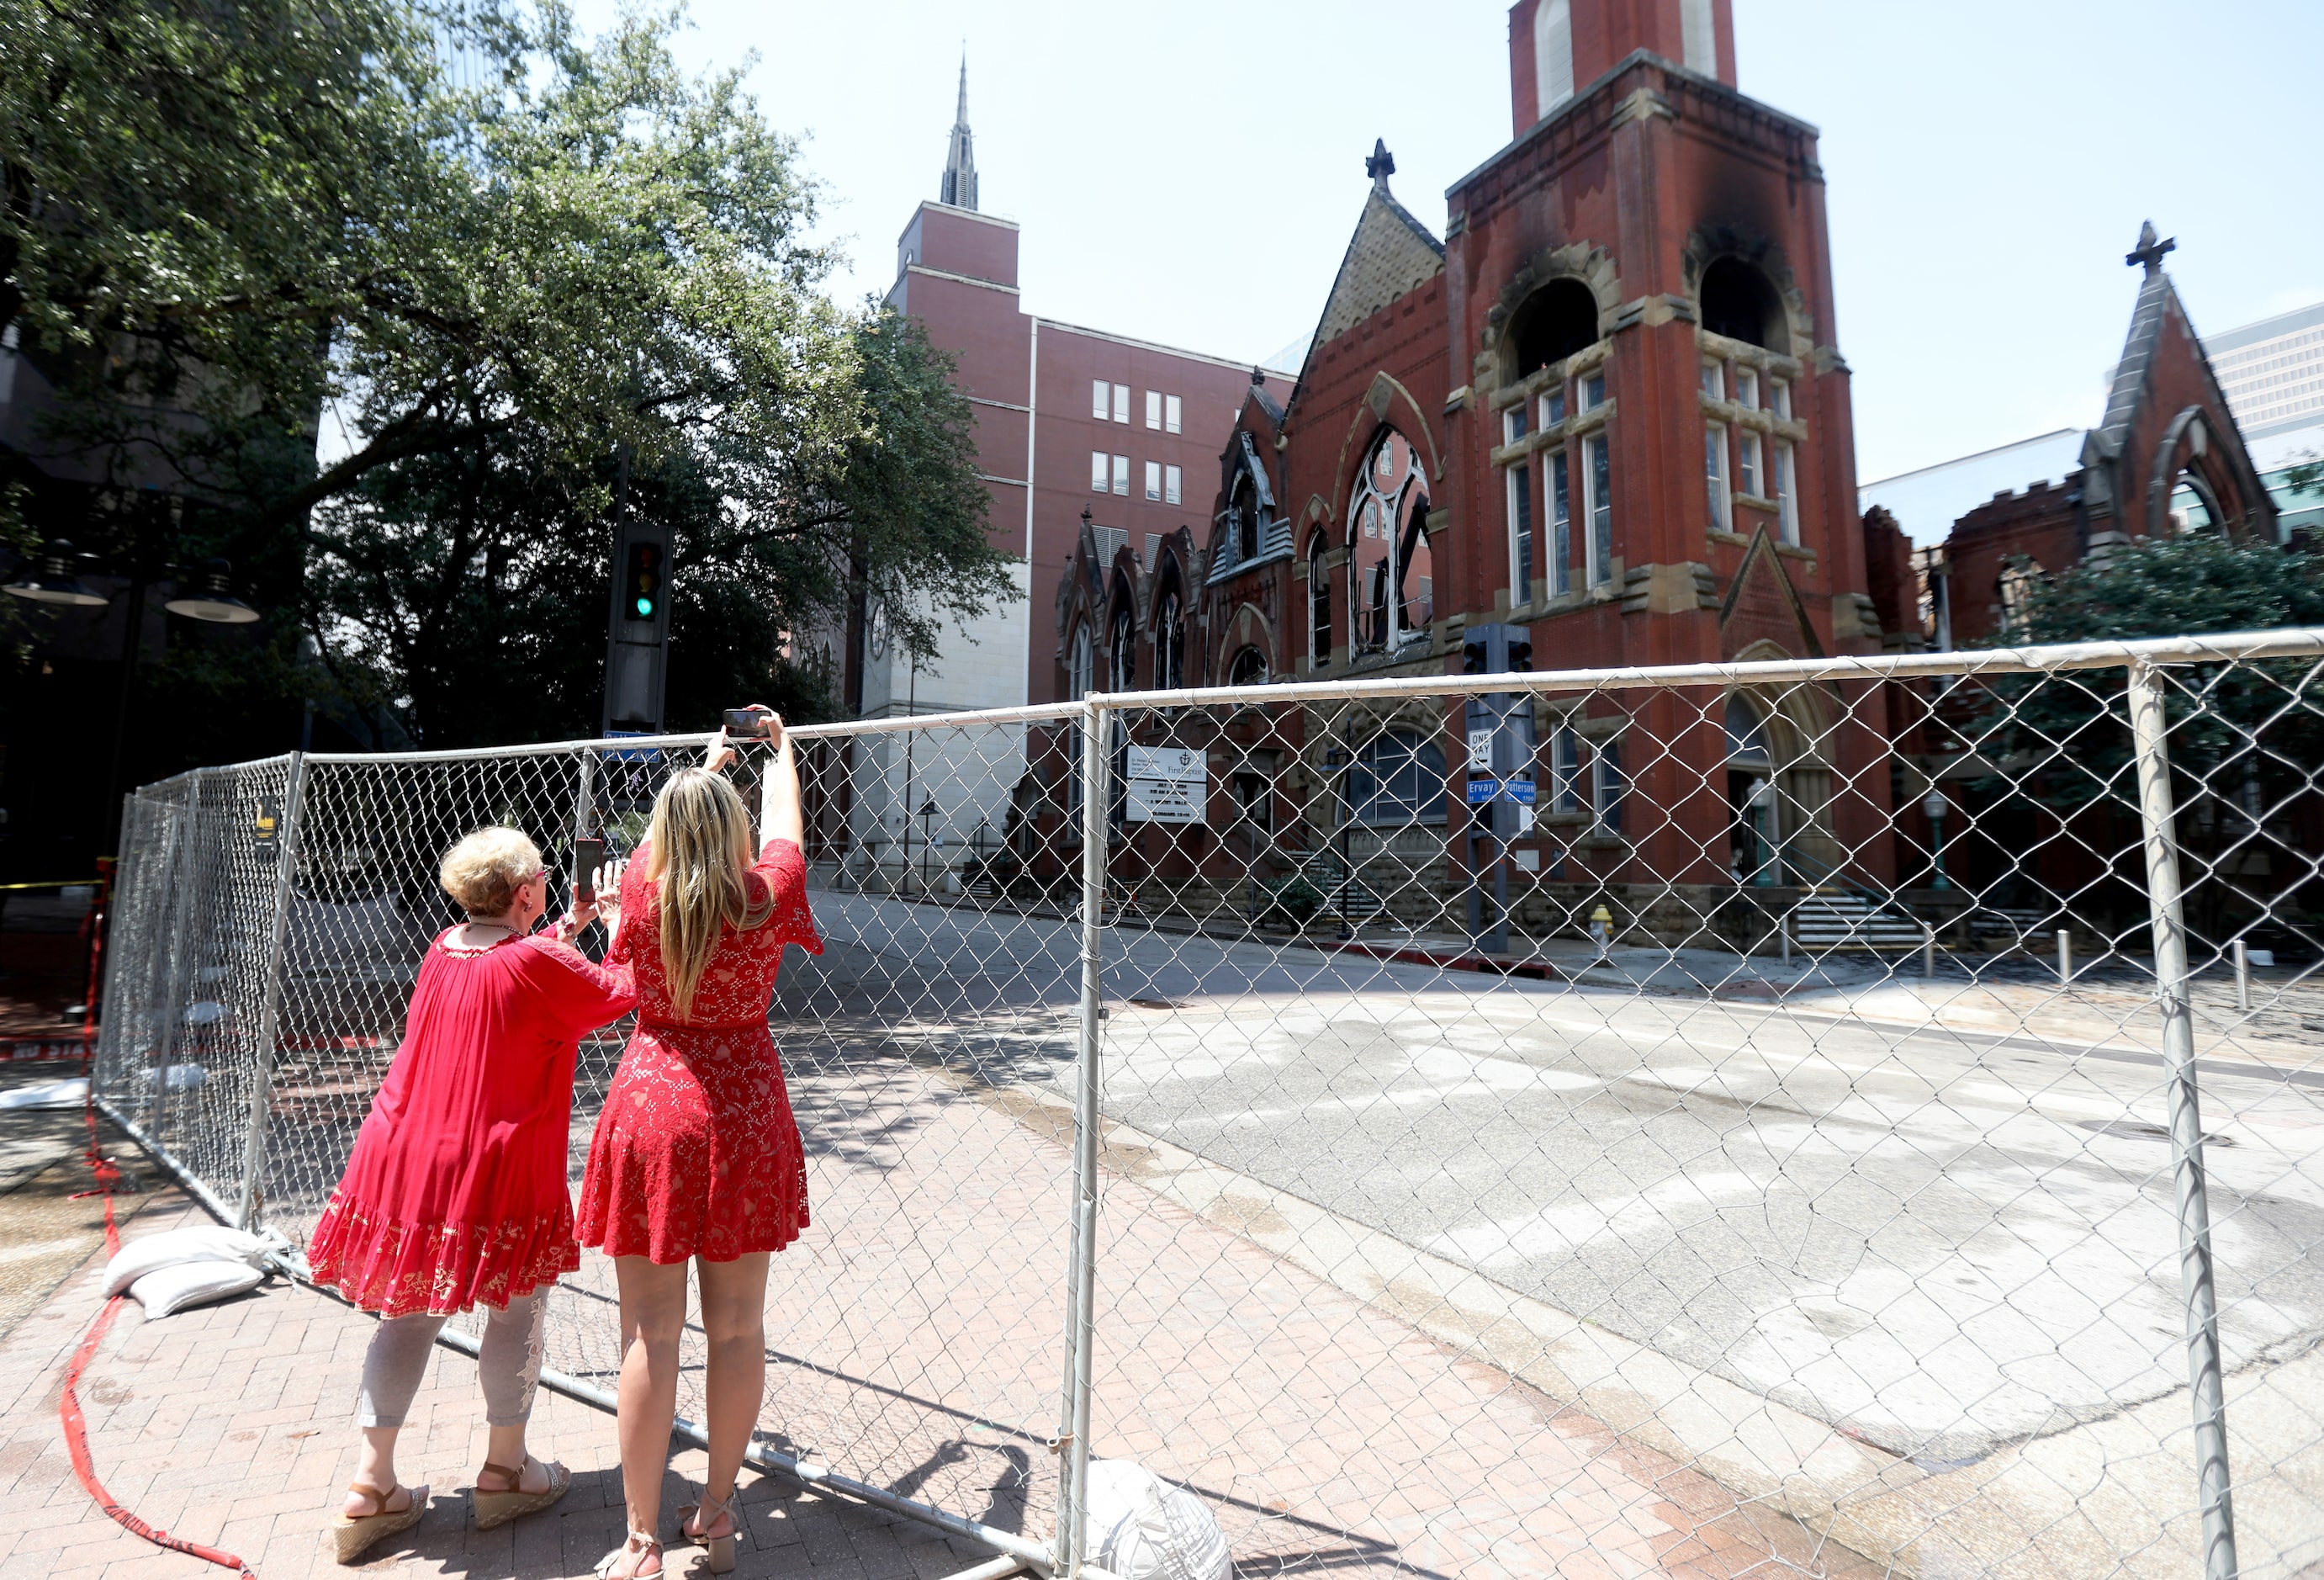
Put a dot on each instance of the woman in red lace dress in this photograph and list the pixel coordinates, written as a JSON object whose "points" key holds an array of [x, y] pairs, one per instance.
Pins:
{"points": [[696, 1154], [455, 1194]]}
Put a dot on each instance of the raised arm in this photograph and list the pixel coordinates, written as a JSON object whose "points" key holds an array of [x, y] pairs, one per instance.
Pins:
{"points": [[779, 816]]}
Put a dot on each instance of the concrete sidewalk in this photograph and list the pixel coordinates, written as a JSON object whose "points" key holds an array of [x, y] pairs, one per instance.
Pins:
{"points": [[230, 1426]]}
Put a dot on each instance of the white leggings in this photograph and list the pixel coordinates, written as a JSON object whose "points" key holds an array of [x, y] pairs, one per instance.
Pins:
{"points": [[508, 1364]]}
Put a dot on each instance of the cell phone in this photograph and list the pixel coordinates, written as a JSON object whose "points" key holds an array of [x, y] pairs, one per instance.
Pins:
{"points": [[751, 724], [588, 860]]}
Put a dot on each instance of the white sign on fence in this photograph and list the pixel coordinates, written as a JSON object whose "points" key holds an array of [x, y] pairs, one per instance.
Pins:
{"points": [[1166, 784]]}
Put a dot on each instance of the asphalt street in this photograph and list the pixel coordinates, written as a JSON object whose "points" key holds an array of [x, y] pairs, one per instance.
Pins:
{"points": [[1939, 1241]]}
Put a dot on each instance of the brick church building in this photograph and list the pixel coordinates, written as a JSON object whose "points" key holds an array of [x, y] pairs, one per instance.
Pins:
{"points": [[1608, 408]]}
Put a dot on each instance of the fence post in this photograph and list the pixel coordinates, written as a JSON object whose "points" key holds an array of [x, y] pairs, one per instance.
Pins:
{"points": [[1072, 1516], [183, 888], [2149, 728], [262, 1085]]}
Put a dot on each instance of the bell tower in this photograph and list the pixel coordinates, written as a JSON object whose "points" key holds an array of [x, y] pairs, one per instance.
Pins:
{"points": [[1557, 48]]}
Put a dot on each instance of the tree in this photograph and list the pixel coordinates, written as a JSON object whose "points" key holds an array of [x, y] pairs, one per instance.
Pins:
{"points": [[468, 592], [2244, 736], [222, 223]]}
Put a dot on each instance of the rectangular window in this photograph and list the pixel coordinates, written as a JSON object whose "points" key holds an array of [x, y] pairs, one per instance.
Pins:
{"points": [[1153, 408], [1170, 414], [1122, 402], [1520, 536], [1172, 489], [1097, 471], [1779, 397], [1513, 424], [1606, 783], [1561, 521], [1788, 504], [1601, 511], [1100, 393], [1714, 472], [1154, 480], [1553, 409], [1121, 475], [1746, 466], [1593, 391], [1746, 388], [1565, 770], [1713, 384]]}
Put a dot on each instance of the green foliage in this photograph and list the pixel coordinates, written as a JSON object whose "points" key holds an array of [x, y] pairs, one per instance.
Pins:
{"points": [[1291, 903], [224, 230], [2234, 729]]}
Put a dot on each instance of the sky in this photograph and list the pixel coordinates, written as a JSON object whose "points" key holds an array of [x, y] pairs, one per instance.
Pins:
{"points": [[1189, 172]]}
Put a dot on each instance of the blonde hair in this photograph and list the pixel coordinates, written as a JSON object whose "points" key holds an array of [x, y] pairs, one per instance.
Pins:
{"points": [[485, 869], [701, 848]]}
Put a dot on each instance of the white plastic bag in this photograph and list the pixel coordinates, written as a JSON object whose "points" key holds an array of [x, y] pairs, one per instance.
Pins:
{"points": [[210, 1242], [193, 1283], [1144, 1529]]}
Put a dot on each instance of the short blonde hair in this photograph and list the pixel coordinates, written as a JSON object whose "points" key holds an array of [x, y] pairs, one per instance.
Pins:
{"points": [[482, 872]]}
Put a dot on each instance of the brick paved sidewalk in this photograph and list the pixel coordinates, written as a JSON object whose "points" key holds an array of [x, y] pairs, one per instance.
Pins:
{"points": [[231, 1425]]}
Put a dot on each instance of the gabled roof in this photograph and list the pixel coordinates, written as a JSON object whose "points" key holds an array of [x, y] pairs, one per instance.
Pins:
{"points": [[1389, 254]]}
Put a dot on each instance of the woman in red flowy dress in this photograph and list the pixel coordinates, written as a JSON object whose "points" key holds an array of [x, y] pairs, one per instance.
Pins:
{"points": [[697, 1155], [455, 1194]]}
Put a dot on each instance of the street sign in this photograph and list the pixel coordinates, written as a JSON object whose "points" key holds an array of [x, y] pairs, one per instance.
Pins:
{"points": [[1484, 791], [1480, 747], [1166, 784]]}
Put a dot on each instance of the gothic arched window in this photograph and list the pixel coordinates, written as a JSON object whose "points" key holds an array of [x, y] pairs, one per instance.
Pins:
{"points": [[1121, 653], [1248, 669], [1170, 642], [1081, 664], [1553, 56], [1390, 569], [1319, 603]]}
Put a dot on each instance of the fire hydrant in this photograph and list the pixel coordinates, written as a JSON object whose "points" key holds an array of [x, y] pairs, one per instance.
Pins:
{"points": [[1601, 928]]}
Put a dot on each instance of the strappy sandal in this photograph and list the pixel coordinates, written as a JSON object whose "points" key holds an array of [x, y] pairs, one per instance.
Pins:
{"points": [[634, 1544], [719, 1549], [494, 1509], [354, 1534]]}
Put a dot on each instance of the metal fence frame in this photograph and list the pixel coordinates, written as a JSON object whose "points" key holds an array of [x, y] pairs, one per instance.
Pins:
{"points": [[160, 839]]}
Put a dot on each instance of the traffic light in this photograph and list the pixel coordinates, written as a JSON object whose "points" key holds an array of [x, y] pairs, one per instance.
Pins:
{"points": [[642, 589]]}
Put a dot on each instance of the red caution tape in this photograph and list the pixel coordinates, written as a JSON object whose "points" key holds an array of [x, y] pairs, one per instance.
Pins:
{"points": [[108, 1174]]}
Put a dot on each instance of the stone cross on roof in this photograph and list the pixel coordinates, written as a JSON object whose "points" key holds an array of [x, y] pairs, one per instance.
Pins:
{"points": [[1379, 164], [2150, 251]]}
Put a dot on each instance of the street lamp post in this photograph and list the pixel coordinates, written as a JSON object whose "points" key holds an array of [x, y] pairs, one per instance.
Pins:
{"points": [[1934, 806], [927, 815]]}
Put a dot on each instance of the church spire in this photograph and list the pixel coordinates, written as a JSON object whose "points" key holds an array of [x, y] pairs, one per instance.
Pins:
{"points": [[959, 187]]}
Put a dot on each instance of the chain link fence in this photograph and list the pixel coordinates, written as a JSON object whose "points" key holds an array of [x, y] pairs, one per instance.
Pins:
{"points": [[1851, 1116]]}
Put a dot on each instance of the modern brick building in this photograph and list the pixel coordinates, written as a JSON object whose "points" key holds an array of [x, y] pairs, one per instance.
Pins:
{"points": [[1068, 419]]}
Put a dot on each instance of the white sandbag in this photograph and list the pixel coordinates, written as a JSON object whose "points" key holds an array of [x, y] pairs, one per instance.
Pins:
{"points": [[1145, 1529], [178, 1078], [193, 1283], [70, 1093], [212, 1242]]}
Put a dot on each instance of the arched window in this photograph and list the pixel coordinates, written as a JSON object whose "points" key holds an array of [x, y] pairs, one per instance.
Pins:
{"points": [[1081, 664], [1746, 735], [1170, 642], [1697, 37], [1552, 323], [1390, 586], [1552, 55], [1247, 521], [1395, 779], [2020, 580], [1738, 302], [1319, 603], [1121, 653], [1248, 669]]}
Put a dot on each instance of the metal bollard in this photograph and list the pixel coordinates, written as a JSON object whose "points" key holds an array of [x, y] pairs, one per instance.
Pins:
{"points": [[2065, 957], [2243, 979], [1929, 951]]}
